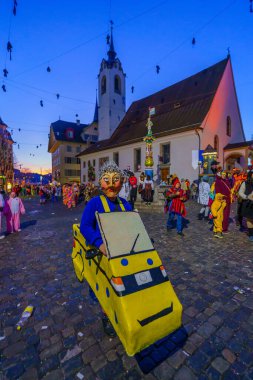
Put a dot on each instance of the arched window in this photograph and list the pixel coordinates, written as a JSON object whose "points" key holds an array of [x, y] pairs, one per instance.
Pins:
{"points": [[216, 144], [229, 126], [103, 85], [117, 84]]}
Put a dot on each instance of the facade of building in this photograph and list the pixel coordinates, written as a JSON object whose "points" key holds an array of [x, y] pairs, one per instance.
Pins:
{"points": [[66, 140], [6, 158], [196, 112]]}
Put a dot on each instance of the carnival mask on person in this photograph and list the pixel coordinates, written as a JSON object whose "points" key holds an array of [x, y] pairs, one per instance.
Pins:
{"points": [[111, 184], [110, 179]]}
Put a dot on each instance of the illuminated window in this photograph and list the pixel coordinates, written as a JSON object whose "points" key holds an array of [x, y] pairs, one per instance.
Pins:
{"points": [[229, 126]]}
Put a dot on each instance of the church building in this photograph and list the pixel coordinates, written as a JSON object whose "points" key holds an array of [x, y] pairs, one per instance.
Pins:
{"points": [[196, 121]]}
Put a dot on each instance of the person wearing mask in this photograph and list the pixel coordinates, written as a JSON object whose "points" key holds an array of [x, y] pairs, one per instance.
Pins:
{"points": [[13, 208], [110, 181]]}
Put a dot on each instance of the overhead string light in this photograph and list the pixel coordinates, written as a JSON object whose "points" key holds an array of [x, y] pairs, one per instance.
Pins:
{"points": [[48, 69], [4, 88], [251, 6], [157, 69], [41, 103], [132, 89], [57, 96], [193, 41]]}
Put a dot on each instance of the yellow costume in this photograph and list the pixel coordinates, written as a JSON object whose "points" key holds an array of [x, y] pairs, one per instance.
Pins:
{"points": [[217, 209]]}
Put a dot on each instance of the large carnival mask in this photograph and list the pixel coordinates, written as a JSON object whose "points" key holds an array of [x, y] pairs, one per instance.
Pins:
{"points": [[111, 184]]}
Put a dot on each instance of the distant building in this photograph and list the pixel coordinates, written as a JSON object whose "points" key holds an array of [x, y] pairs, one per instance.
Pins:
{"points": [[6, 157], [197, 112], [66, 140]]}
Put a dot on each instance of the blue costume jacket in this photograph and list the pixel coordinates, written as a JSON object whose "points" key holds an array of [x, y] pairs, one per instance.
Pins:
{"points": [[89, 227]]}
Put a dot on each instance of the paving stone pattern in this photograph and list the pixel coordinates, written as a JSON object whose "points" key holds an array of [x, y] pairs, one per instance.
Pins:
{"points": [[64, 337]]}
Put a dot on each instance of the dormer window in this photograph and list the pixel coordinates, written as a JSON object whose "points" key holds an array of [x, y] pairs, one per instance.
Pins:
{"points": [[69, 134]]}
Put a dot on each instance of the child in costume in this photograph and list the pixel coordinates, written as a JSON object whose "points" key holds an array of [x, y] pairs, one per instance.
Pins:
{"points": [[217, 210], [177, 196], [110, 180], [13, 208]]}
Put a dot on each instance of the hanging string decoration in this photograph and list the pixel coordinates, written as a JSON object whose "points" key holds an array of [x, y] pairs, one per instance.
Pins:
{"points": [[41, 103], [15, 4], [57, 96], [6, 72], [48, 69], [132, 89], [4, 88], [9, 48], [157, 69], [193, 41], [251, 6]]}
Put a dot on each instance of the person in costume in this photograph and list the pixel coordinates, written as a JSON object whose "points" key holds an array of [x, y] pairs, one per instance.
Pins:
{"points": [[177, 197], [217, 210], [1, 213], [110, 181], [125, 189], [246, 193], [203, 198], [13, 208], [133, 189], [148, 190], [223, 186]]}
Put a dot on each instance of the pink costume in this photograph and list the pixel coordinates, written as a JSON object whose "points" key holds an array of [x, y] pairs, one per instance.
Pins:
{"points": [[12, 209], [1, 210]]}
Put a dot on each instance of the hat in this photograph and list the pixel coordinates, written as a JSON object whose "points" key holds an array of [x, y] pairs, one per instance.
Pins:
{"points": [[214, 162], [175, 181]]}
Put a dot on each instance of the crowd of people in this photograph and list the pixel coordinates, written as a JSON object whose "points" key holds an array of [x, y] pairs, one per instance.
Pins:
{"points": [[215, 199]]}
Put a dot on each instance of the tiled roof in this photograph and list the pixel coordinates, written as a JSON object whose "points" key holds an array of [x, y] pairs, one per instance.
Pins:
{"points": [[60, 127], [243, 144], [179, 107]]}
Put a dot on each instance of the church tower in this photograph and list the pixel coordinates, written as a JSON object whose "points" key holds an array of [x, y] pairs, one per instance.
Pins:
{"points": [[111, 93]]}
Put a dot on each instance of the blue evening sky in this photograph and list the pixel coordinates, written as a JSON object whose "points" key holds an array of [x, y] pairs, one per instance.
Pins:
{"points": [[69, 36]]}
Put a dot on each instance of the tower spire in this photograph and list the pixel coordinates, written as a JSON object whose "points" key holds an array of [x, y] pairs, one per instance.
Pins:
{"points": [[95, 118], [111, 52]]}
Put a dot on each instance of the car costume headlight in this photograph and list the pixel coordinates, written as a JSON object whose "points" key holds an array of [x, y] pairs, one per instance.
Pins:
{"points": [[117, 284], [163, 271]]}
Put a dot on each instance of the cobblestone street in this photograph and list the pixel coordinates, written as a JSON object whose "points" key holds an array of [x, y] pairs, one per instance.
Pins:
{"points": [[64, 339]]}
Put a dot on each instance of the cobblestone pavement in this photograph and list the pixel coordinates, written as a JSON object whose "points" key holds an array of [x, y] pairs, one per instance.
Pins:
{"points": [[64, 337]]}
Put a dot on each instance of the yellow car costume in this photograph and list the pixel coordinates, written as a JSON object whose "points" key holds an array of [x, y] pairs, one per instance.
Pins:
{"points": [[130, 283]]}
